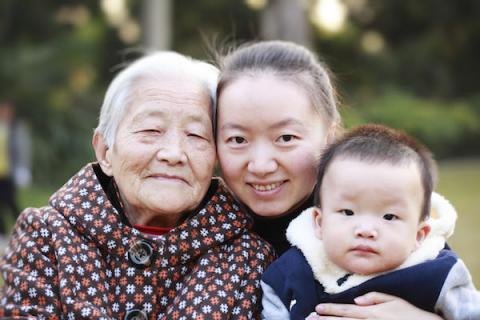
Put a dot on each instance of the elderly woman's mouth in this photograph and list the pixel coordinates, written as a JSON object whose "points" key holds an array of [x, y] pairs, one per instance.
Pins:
{"points": [[168, 177]]}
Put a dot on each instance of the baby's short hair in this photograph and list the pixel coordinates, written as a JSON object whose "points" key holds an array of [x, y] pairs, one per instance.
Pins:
{"points": [[375, 143]]}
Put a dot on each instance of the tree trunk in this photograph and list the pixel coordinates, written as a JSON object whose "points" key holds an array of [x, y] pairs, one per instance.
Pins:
{"points": [[157, 24], [286, 20]]}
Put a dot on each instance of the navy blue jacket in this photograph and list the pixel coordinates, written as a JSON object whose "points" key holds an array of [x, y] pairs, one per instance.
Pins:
{"points": [[292, 279]]}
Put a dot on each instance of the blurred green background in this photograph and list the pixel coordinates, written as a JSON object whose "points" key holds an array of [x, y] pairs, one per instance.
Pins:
{"points": [[409, 64]]}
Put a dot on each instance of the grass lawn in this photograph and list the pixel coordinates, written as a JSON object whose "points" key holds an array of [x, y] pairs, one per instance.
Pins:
{"points": [[459, 182]]}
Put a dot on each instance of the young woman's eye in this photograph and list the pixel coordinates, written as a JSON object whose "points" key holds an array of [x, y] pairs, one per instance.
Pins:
{"points": [[286, 138], [237, 140], [347, 212], [389, 216]]}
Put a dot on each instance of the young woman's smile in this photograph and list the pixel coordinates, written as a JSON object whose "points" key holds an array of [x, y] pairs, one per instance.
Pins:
{"points": [[269, 140]]}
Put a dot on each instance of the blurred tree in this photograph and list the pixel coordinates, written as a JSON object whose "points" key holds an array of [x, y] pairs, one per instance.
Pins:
{"points": [[202, 23], [54, 63], [286, 20], [425, 47], [426, 51], [57, 58], [157, 23]]}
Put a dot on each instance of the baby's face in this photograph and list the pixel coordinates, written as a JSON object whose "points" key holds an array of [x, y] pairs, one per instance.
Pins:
{"points": [[369, 220]]}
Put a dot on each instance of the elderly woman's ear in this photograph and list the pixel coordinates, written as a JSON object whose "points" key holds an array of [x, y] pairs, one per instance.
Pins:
{"points": [[101, 153]]}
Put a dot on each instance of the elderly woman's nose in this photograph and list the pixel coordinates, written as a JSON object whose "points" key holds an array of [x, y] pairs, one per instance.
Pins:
{"points": [[172, 149]]}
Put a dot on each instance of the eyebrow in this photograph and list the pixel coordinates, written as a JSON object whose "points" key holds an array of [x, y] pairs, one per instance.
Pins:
{"points": [[280, 124], [145, 115], [287, 122], [227, 126], [157, 113]]}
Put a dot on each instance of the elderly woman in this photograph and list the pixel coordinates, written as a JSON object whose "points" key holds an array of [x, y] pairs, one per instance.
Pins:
{"points": [[145, 232]]}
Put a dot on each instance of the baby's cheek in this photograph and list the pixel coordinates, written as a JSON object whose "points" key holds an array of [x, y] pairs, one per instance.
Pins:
{"points": [[333, 248]]}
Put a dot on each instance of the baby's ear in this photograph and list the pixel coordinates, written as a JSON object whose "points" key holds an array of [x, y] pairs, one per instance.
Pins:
{"points": [[317, 222], [422, 232]]}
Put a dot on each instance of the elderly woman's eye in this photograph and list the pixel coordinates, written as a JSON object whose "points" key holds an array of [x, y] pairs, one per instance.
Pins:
{"points": [[196, 135], [149, 131]]}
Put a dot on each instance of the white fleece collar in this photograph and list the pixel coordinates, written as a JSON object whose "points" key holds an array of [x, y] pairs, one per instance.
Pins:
{"points": [[300, 233]]}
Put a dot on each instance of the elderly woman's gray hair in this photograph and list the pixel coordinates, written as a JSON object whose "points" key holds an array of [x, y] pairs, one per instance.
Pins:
{"points": [[151, 67]]}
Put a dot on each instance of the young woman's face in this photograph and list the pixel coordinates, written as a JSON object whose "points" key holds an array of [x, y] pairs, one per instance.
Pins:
{"points": [[269, 140]]}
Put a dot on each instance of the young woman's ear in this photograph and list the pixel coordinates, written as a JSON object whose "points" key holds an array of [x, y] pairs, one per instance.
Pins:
{"points": [[422, 232], [102, 153], [317, 222], [331, 133]]}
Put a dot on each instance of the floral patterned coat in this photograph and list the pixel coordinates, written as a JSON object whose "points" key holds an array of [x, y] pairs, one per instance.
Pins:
{"points": [[78, 259]]}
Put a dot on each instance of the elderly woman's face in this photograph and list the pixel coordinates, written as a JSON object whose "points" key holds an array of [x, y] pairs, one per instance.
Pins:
{"points": [[164, 151]]}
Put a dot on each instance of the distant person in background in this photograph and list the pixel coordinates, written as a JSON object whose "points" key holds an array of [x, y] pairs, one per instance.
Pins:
{"points": [[14, 162]]}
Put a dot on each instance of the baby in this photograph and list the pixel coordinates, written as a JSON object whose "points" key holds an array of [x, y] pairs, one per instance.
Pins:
{"points": [[371, 230]]}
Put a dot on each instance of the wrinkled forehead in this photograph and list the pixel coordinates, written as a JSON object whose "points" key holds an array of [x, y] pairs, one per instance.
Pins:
{"points": [[176, 90]]}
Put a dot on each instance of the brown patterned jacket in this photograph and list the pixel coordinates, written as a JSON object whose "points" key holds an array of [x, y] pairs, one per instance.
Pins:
{"points": [[77, 259]]}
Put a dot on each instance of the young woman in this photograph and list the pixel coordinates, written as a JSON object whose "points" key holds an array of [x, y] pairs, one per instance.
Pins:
{"points": [[276, 112]]}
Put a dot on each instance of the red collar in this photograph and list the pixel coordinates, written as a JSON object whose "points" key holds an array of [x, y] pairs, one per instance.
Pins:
{"points": [[158, 231]]}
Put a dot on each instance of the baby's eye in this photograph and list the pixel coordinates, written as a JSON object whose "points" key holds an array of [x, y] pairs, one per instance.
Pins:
{"points": [[347, 212], [390, 216], [237, 140]]}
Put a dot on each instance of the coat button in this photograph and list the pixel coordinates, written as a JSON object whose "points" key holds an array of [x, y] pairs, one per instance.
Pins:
{"points": [[140, 254], [135, 314]]}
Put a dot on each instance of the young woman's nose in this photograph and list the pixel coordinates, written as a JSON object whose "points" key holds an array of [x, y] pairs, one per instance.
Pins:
{"points": [[262, 161], [172, 149]]}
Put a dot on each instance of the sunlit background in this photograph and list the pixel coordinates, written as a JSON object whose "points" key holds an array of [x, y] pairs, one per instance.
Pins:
{"points": [[408, 64]]}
